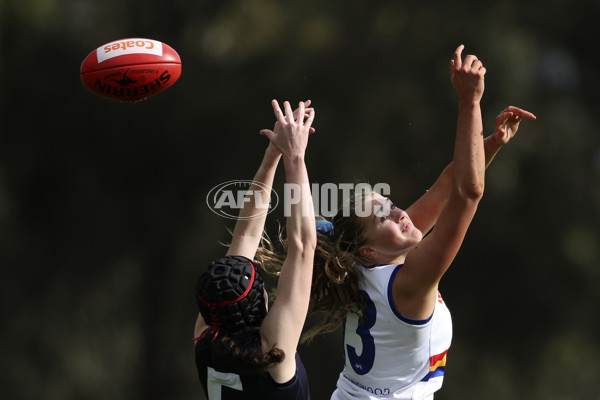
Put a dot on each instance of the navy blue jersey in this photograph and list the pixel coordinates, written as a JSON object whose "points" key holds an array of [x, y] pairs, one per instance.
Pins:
{"points": [[223, 385]]}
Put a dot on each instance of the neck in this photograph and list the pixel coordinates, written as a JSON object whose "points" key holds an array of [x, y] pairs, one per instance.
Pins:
{"points": [[397, 259]]}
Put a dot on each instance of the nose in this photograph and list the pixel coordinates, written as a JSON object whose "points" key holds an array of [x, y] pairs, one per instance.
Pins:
{"points": [[398, 214]]}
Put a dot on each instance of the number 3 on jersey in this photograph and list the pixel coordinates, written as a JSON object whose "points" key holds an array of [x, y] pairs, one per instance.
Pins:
{"points": [[362, 364]]}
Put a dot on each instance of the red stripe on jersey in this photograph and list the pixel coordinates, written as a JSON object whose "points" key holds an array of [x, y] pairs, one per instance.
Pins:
{"points": [[437, 358]]}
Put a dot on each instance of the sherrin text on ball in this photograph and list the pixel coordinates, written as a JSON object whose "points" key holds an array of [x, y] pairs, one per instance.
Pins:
{"points": [[130, 70]]}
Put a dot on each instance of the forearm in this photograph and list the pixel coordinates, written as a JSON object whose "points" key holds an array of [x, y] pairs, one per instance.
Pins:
{"points": [[469, 155], [250, 224], [300, 221], [491, 146], [260, 188], [465, 174], [425, 211]]}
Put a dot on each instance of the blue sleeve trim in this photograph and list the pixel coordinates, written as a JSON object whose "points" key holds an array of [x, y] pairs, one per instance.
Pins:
{"points": [[393, 306], [434, 374]]}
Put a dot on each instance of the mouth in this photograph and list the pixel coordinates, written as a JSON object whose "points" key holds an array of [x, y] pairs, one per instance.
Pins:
{"points": [[406, 227]]}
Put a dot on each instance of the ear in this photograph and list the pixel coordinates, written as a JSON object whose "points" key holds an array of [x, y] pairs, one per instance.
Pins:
{"points": [[366, 252]]}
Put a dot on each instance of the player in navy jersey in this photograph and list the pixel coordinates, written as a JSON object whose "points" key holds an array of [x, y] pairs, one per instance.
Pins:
{"points": [[377, 274], [244, 349]]}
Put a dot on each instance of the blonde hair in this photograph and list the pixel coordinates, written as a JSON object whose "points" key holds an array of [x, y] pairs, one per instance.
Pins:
{"points": [[336, 276]]}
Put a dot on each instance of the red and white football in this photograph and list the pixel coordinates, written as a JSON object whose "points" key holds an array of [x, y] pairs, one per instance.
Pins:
{"points": [[131, 70]]}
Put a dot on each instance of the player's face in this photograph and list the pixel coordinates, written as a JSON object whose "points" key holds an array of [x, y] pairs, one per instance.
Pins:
{"points": [[388, 229]]}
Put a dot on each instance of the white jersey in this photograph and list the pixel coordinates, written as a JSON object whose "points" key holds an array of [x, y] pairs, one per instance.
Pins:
{"points": [[389, 356]]}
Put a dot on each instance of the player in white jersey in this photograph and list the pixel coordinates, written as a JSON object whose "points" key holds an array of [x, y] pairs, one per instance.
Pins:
{"points": [[377, 274], [387, 353]]}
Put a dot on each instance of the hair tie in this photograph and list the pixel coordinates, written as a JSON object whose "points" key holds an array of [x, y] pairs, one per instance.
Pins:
{"points": [[213, 329], [325, 227]]}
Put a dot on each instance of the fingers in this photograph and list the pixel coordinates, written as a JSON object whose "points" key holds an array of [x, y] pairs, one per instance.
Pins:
{"points": [[457, 58], [267, 132], [470, 65], [502, 117], [308, 113], [507, 122], [310, 119], [307, 108], [300, 117], [519, 112], [277, 110], [470, 61], [513, 115], [289, 114], [508, 117]]}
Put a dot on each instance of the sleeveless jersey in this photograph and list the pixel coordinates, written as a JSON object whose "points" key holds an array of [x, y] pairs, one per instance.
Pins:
{"points": [[387, 355], [223, 385]]}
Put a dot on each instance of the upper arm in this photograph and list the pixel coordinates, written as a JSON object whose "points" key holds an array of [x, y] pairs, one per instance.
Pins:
{"points": [[244, 244], [415, 286], [425, 211], [283, 324]]}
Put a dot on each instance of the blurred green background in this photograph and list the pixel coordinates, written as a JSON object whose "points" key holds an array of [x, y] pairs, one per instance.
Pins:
{"points": [[104, 226]]}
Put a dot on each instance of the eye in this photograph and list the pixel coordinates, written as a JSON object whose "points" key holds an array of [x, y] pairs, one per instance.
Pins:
{"points": [[392, 206], [383, 219]]}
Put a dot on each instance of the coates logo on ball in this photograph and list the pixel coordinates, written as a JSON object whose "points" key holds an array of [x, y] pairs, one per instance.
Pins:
{"points": [[130, 70]]}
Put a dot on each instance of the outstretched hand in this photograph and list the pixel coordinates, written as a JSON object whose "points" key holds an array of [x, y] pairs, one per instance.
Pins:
{"points": [[290, 134], [271, 148], [467, 75], [507, 123], [307, 110]]}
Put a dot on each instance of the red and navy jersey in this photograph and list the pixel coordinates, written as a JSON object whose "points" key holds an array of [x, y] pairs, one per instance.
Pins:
{"points": [[225, 385]]}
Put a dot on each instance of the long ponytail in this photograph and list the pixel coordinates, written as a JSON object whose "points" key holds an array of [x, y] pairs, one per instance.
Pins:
{"points": [[335, 287]]}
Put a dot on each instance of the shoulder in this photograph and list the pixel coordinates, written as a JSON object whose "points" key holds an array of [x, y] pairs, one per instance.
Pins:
{"points": [[380, 273], [297, 388]]}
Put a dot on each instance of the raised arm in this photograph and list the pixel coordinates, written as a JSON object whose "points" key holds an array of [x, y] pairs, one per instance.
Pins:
{"points": [[250, 224], [251, 220], [425, 211], [284, 321], [415, 285]]}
